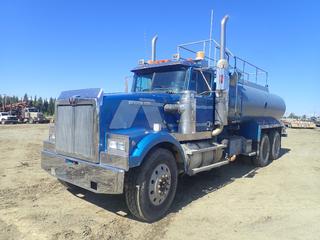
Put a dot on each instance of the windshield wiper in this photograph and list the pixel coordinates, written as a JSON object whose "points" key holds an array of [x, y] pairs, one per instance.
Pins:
{"points": [[166, 90]]}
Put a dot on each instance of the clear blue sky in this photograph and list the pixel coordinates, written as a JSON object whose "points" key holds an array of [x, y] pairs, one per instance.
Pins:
{"points": [[53, 45]]}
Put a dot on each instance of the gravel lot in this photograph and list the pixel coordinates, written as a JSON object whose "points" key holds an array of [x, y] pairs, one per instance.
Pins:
{"points": [[280, 201]]}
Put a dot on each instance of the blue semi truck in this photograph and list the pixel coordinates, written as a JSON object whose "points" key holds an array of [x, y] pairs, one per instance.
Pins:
{"points": [[183, 116]]}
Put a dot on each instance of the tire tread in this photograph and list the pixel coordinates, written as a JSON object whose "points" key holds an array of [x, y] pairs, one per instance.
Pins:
{"points": [[257, 160], [131, 193], [135, 178]]}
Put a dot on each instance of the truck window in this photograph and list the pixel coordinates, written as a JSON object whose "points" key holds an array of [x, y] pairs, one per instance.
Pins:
{"points": [[198, 83], [143, 82], [167, 81]]}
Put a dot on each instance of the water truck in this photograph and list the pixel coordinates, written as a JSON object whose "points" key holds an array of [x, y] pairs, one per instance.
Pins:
{"points": [[184, 115]]}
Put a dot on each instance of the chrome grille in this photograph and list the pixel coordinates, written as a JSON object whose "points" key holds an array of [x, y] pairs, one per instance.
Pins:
{"points": [[76, 131], [83, 134], [64, 129]]}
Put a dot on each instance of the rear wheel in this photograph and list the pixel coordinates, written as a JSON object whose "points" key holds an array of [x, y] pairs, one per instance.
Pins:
{"points": [[3, 121], [275, 145], [151, 188], [262, 159]]}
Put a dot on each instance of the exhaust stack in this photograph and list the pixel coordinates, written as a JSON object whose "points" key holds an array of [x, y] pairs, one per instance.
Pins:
{"points": [[222, 83], [154, 46], [223, 37]]}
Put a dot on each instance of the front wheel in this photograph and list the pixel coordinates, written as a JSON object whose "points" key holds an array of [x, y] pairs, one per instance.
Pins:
{"points": [[151, 188]]}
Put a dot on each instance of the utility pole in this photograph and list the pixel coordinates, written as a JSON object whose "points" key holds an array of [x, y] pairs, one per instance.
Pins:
{"points": [[5, 103], [210, 38]]}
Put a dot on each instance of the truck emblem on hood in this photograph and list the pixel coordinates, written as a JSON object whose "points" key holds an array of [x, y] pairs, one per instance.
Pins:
{"points": [[74, 100]]}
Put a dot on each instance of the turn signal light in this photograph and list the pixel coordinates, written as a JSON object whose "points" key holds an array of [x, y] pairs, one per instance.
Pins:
{"points": [[158, 61]]}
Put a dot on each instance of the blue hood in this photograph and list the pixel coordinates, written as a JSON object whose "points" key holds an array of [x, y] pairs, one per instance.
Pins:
{"points": [[133, 114], [124, 112]]}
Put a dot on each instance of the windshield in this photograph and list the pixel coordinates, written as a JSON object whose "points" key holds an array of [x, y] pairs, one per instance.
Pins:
{"points": [[33, 110], [159, 80]]}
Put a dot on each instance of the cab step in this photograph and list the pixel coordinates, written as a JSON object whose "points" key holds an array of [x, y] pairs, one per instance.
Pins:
{"points": [[208, 167]]}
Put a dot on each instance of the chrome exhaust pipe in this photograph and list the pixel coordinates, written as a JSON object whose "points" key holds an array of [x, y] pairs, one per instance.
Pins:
{"points": [[154, 46], [223, 37], [222, 84]]}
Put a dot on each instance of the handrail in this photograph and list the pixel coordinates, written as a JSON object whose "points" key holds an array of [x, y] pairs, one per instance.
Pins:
{"points": [[240, 65]]}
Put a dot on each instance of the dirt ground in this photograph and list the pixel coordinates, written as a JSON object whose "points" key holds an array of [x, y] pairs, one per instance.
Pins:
{"points": [[237, 201]]}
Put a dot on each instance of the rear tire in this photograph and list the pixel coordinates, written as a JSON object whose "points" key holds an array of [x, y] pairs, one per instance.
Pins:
{"points": [[262, 159], [151, 188], [275, 145]]}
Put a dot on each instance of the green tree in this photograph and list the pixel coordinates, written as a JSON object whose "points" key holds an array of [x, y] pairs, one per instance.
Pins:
{"points": [[40, 104], [45, 106], [51, 106], [35, 101], [292, 115], [25, 98]]}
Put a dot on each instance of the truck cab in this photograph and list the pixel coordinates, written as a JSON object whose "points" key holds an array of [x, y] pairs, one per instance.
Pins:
{"points": [[33, 115], [175, 79], [7, 118], [182, 116]]}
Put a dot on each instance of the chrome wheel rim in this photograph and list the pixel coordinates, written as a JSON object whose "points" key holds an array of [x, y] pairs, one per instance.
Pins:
{"points": [[159, 184]]}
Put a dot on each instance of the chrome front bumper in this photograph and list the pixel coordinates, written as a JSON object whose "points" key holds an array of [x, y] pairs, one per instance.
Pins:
{"points": [[90, 176]]}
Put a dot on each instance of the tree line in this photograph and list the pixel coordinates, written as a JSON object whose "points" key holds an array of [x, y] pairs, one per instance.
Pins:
{"points": [[45, 105], [302, 117]]}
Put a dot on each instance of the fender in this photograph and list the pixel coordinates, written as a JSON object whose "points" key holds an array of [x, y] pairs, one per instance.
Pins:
{"points": [[150, 141], [251, 128]]}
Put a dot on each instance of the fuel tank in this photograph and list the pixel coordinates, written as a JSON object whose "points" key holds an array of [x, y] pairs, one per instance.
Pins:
{"points": [[247, 99]]}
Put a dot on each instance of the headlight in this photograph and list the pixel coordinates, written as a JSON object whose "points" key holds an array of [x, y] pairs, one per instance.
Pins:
{"points": [[117, 154], [118, 143]]}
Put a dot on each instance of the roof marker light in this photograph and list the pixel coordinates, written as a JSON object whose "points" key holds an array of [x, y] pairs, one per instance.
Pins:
{"points": [[176, 57], [200, 55], [142, 62]]}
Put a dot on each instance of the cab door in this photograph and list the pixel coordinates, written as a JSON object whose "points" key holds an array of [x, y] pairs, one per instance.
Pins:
{"points": [[199, 82]]}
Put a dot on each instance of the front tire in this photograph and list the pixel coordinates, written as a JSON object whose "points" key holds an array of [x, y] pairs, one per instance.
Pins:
{"points": [[151, 188], [264, 151]]}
